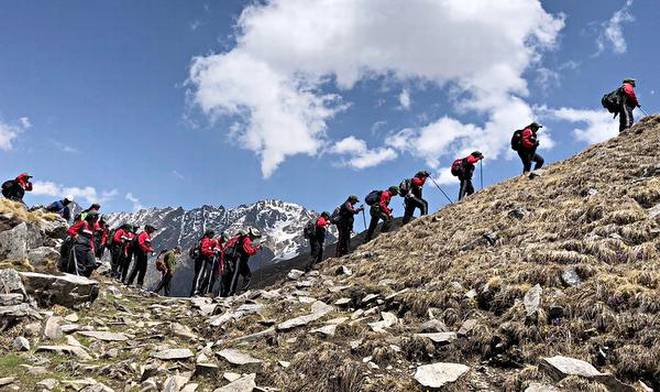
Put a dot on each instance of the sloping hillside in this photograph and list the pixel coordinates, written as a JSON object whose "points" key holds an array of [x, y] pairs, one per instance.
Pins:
{"points": [[484, 295]]}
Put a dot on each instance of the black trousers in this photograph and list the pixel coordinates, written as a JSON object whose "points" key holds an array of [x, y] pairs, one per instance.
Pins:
{"points": [[205, 275], [466, 188], [125, 264], [197, 272], [139, 268], [625, 117], [242, 268], [376, 216], [527, 157], [344, 240], [316, 246], [412, 203], [81, 261], [164, 284], [227, 277], [116, 259]]}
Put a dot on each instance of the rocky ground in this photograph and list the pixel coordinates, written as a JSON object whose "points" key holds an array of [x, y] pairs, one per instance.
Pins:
{"points": [[549, 284]]}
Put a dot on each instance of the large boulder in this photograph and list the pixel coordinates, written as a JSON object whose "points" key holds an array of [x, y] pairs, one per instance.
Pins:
{"points": [[66, 290], [14, 243], [11, 282], [42, 255]]}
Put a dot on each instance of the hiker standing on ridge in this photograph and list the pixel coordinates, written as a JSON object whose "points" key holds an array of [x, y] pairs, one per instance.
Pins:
{"points": [[317, 239], [628, 103], [15, 189], [129, 250], [61, 208], [525, 142], [218, 270], [142, 252], [101, 232], [380, 210], [229, 263], [413, 196], [347, 212], [95, 207], [167, 266], [244, 249], [201, 255], [463, 169], [81, 260], [118, 243]]}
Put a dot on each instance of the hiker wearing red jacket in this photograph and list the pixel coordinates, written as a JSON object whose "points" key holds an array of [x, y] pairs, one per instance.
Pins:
{"points": [[347, 212], [464, 171], [218, 269], [128, 250], [119, 239], [101, 237], [142, 252], [529, 144], [15, 189], [230, 254], [317, 239], [205, 252], [381, 211], [79, 254], [244, 250], [628, 103], [413, 199]]}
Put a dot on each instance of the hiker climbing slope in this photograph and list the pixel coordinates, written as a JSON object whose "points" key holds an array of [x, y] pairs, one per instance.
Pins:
{"points": [[628, 103], [142, 252], [317, 239], [526, 142], [166, 264], [380, 210], [15, 189], [413, 196], [344, 222], [463, 168], [245, 249]]}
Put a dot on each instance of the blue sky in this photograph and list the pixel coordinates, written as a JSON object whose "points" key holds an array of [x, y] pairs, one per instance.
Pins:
{"points": [[168, 103]]}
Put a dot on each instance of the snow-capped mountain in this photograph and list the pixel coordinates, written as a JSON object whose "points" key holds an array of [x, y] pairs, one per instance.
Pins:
{"points": [[281, 224]]}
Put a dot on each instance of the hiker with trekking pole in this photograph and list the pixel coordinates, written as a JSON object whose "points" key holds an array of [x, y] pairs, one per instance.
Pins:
{"points": [[622, 102], [80, 259], [344, 217], [463, 168], [411, 191], [380, 210]]}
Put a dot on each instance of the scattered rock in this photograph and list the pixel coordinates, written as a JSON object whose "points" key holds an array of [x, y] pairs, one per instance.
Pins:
{"points": [[433, 326], [328, 330], [11, 282], [73, 350], [231, 376], [532, 300], [66, 290], [52, 328], [242, 311], [13, 243], [570, 277], [295, 274], [105, 336], [173, 354], [439, 337], [319, 310], [467, 327], [239, 358], [6, 381], [183, 331], [559, 367], [538, 387], [243, 384], [175, 383], [438, 375], [48, 383], [192, 387], [284, 364], [73, 318], [343, 302], [42, 255], [21, 344], [368, 298], [389, 319], [517, 213], [343, 270]]}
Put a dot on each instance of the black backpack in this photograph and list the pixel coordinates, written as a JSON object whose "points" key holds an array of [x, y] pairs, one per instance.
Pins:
{"points": [[516, 140], [612, 101], [373, 197], [335, 217], [309, 229], [404, 187], [7, 187]]}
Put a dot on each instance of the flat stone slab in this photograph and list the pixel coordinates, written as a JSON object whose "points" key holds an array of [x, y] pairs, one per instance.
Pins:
{"points": [[389, 319], [328, 330], [559, 367], [105, 336], [66, 290], [439, 337], [242, 311], [319, 310], [243, 384], [65, 349], [343, 301], [239, 358], [295, 274], [440, 374], [173, 354]]}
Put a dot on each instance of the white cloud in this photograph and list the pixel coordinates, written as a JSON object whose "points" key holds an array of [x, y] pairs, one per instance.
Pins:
{"points": [[64, 147], [9, 132], [288, 50], [612, 30], [546, 78], [596, 125], [137, 205], [178, 175], [87, 194], [404, 99], [359, 155]]}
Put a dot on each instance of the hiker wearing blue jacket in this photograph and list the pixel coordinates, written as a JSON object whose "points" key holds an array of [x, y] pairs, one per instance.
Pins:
{"points": [[61, 208]]}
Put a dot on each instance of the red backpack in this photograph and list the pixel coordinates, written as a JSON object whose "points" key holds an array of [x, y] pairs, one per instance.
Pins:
{"points": [[457, 167]]}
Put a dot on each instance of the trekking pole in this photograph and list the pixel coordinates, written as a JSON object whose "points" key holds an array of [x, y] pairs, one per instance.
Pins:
{"points": [[364, 220], [443, 192], [643, 111], [481, 173]]}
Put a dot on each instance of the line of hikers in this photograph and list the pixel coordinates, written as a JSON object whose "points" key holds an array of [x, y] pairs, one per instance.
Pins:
{"points": [[225, 258]]}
